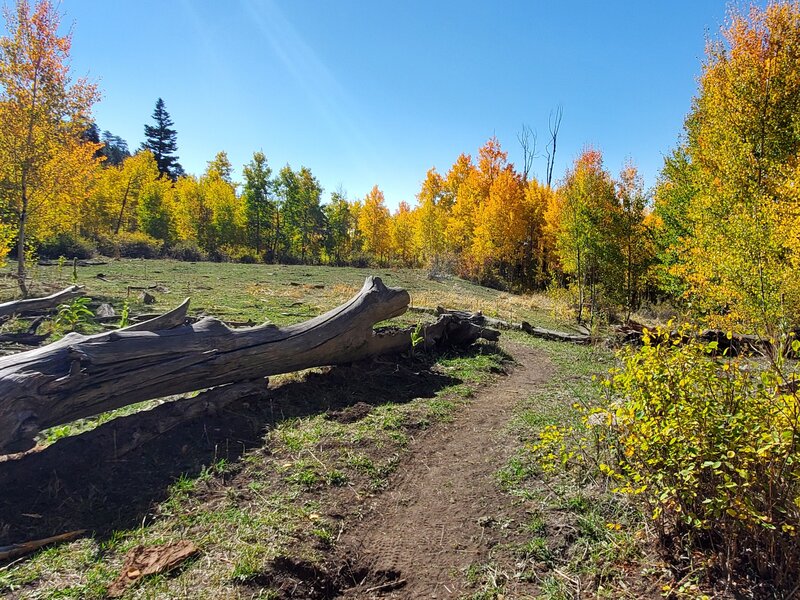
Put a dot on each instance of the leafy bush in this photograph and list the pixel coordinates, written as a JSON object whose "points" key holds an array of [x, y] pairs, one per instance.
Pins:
{"points": [[232, 253], [710, 444], [187, 251], [68, 245], [130, 245]]}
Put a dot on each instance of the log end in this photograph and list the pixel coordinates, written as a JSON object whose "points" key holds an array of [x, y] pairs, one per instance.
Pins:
{"points": [[375, 291]]}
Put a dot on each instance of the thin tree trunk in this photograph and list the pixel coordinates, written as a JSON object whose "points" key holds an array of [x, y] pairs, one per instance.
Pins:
{"points": [[23, 215], [122, 208], [21, 270]]}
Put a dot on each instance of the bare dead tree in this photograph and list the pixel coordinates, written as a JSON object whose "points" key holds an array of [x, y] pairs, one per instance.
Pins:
{"points": [[527, 141], [554, 124]]}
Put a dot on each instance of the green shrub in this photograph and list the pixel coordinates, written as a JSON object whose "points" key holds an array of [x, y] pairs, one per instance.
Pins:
{"points": [[188, 251], [68, 245], [130, 245], [234, 253], [711, 445]]}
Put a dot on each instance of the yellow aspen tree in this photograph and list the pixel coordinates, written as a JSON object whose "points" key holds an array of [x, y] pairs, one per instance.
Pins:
{"points": [[583, 222], [464, 184], [739, 262], [537, 246], [402, 234], [431, 217], [114, 199], [634, 242], [43, 115], [373, 223], [500, 228]]}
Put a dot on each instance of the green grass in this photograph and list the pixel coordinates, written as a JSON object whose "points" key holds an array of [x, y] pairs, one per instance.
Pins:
{"points": [[279, 294]]}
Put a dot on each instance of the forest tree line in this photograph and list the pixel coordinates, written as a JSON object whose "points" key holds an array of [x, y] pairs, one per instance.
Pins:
{"points": [[719, 230]]}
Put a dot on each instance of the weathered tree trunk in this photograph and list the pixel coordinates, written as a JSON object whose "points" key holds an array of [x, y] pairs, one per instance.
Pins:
{"points": [[80, 376], [35, 305]]}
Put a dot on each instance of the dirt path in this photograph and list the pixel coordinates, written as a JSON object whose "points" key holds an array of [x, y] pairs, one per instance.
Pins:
{"points": [[444, 511]]}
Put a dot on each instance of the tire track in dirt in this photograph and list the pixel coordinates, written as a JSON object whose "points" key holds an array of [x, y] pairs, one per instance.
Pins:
{"points": [[432, 522]]}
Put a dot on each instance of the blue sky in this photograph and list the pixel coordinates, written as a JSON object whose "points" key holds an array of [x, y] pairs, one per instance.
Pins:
{"points": [[377, 92]]}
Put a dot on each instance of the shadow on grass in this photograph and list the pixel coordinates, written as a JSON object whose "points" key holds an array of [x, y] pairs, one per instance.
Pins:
{"points": [[81, 482]]}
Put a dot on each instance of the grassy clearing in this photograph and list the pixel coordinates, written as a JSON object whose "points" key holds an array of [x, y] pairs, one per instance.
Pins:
{"points": [[282, 294], [289, 493]]}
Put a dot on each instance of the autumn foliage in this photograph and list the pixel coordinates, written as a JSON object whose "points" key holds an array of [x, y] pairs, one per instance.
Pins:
{"points": [[720, 236]]}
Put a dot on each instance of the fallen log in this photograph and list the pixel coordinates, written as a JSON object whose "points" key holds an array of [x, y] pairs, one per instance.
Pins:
{"points": [[25, 338], [36, 305], [80, 376], [44, 262], [481, 320]]}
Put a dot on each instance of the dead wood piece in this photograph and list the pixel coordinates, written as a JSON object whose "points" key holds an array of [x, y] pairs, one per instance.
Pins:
{"points": [[23, 338], [479, 318], [143, 561], [556, 336], [80, 376], [36, 305], [207, 404], [17, 550]]}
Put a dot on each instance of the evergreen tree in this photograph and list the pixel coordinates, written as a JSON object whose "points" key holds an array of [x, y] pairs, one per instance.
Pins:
{"points": [[162, 141], [115, 149]]}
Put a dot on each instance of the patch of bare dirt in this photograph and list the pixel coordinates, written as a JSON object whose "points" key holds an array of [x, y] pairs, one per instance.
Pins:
{"points": [[85, 482], [443, 510]]}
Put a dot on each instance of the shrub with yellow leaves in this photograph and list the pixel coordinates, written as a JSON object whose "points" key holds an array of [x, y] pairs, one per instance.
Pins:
{"points": [[710, 443]]}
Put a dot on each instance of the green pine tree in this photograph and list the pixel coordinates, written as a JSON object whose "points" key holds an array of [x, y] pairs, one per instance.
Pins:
{"points": [[162, 141]]}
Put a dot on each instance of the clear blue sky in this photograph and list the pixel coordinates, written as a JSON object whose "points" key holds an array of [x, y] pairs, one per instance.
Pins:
{"points": [[377, 92]]}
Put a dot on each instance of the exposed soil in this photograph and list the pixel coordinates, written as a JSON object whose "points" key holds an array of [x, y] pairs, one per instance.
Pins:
{"points": [[87, 482], [443, 510]]}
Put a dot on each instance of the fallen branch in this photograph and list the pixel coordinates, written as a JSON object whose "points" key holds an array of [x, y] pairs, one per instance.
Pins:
{"points": [[80, 376], [36, 305], [23, 338], [17, 550]]}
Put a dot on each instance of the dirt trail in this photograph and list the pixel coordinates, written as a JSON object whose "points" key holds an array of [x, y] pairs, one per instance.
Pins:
{"points": [[443, 511]]}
